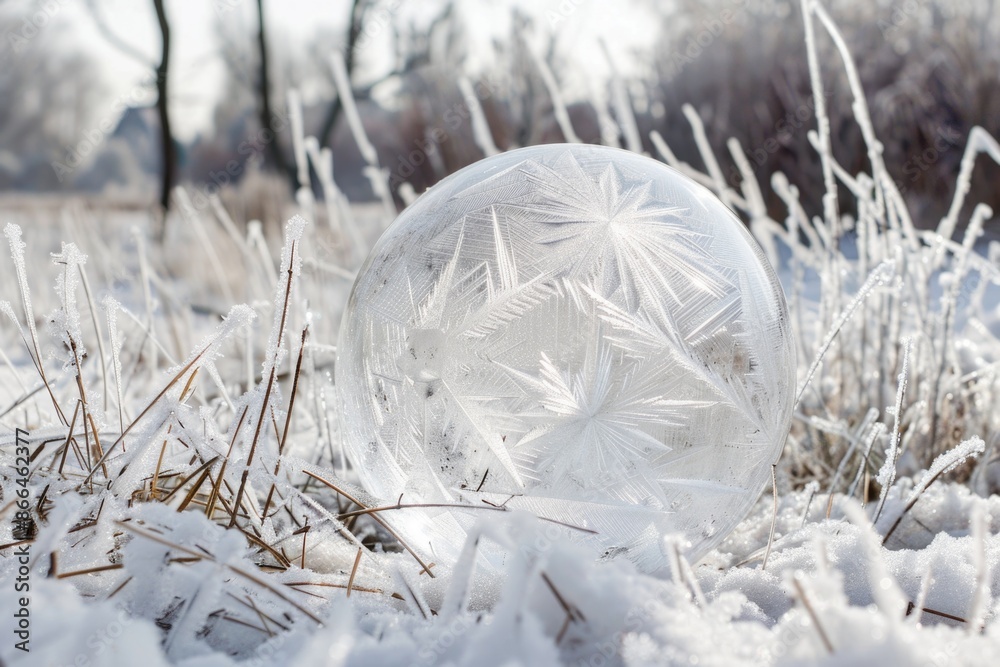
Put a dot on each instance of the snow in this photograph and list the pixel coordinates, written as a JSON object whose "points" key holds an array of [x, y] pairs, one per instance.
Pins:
{"points": [[621, 616]]}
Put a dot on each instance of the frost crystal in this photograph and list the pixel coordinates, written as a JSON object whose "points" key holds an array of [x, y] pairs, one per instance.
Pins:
{"points": [[575, 331]]}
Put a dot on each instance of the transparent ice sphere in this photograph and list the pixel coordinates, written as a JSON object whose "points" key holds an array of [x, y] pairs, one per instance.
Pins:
{"points": [[575, 331]]}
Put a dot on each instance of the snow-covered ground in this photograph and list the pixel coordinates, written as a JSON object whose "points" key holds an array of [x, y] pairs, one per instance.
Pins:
{"points": [[829, 595]]}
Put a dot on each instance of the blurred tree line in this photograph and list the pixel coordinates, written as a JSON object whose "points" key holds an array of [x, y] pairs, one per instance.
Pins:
{"points": [[929, 69]]}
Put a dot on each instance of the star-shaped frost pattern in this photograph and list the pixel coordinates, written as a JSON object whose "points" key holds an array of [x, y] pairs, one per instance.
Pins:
{"points": [[575, 331]]}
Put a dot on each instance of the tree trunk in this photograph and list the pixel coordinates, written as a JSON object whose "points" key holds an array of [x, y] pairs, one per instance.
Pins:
{"points": [[166, 136], [277, 158]]}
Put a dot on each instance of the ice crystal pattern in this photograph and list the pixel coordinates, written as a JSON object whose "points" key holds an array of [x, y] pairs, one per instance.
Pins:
{"points": [[575, 331]]}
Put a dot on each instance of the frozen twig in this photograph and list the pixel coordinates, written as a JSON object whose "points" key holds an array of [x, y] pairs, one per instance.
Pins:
{"points": [[558, 106], [887, 474], [980, 141], [942, 464], [480, 127], [878, 275]]}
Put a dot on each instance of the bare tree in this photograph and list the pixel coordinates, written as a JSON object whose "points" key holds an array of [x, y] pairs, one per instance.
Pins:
{"points": [[267, 118], [168, 172], [168, 169]]}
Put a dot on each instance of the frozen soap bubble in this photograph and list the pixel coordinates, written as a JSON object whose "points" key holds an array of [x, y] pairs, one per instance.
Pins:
{"points": [[575, 331]]}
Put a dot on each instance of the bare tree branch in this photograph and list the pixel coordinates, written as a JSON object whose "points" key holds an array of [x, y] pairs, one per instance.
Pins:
{"points": [[166, 136], [114, 39], [266, 116]]}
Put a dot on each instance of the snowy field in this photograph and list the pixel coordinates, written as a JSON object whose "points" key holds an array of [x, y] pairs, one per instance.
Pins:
{"points": [[177, 492]]}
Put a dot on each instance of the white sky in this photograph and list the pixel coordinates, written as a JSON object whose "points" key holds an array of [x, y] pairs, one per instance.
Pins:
{"points": [[197, 71]]}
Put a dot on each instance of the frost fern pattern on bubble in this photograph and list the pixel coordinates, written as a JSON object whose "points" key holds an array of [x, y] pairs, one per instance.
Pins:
{"points": [[578, 327]]}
